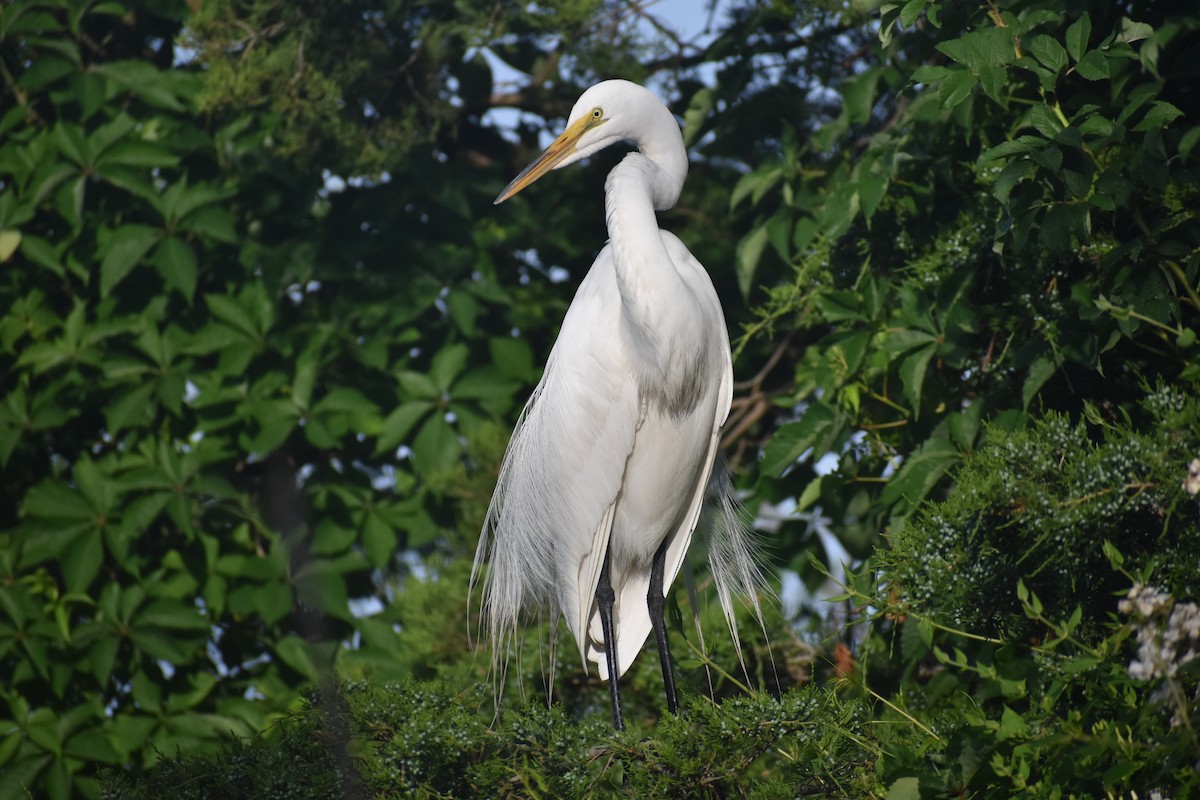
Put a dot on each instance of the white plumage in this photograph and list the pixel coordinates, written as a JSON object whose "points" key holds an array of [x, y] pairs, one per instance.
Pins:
{"points": [[615, 447]]}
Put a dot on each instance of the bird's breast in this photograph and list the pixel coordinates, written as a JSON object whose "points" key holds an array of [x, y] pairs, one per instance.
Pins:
{"points": [[668, 461]]}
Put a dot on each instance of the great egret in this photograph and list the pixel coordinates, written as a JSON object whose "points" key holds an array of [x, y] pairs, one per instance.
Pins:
{"points": [[604, 478]]}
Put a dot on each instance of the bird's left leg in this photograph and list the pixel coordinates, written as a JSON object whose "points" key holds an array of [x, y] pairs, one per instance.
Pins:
{"points": [[655, 601], [605, 597]]}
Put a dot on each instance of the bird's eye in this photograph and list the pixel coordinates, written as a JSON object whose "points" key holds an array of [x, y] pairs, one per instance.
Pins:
{"points": [[597, 113]]}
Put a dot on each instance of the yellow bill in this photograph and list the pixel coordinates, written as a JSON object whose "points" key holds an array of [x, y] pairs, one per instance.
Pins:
{"points": [[559, 149]]}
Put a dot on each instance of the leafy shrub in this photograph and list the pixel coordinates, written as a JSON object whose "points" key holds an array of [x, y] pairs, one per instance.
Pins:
{"points": [[432, 741], [1033, 505]]}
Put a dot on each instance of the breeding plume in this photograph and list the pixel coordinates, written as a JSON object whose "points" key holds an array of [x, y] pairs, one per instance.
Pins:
{"points": [[602, 485]]}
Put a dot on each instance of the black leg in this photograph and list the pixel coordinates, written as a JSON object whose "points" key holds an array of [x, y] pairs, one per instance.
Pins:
{"points": [[655, 603], [605, 597]]}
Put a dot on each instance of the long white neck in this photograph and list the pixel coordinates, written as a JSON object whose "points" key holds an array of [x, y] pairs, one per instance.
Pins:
{"points": [[645, 274], [658, 307]]}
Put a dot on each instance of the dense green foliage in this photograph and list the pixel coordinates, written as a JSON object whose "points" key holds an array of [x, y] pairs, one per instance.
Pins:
{"points": [[1032, 505], [263, 335], [421, 742]]}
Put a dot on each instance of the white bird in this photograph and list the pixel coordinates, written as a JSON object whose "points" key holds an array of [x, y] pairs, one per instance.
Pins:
{"points": [[603, 482]]}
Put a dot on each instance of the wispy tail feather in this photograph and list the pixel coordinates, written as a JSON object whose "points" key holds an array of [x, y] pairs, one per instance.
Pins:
{"points": [[735, 556], [511, 591]]}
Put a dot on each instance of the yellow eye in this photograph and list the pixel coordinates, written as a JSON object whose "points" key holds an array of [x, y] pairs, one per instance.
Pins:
{"points": [[597, 112]]}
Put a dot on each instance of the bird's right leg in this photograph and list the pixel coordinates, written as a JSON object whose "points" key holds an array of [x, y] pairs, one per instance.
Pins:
{"points": [[655, 602], [605, 597]]}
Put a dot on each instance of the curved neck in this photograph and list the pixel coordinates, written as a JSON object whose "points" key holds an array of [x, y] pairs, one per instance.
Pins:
{"points": [[641, 259], [654, 295]]}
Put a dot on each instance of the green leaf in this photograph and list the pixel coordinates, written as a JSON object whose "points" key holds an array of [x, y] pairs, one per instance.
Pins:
{"points": [[964, 426], [805, 229], [293, 651], [230, 311], [955, 88], [181, 201], [378, 540], [911, 11], [102, 656], [925, 631], [779, 230], [435, 447], [1079, 665], [912, 376], [1022, 144], [44, 72], [904, 789], [793, 439], [513, 357], [399, 423], [699, 107], [919, 473], [141, 78], [133, 152], [321, 583], [72, 143], [1047, 51], [176, 263], [1050, 158], [129, 244], [1131, 31], [417, 385], [54, 500], [1093, 66], [931, 73], [1039, 372], [911, 646], [1188, 141], [345, 400], [811, 494], [840, 210], [985, 47], [749, 253], [1063, 224], [889, 16], [1160, 115], [755, 184], [464, 309], [82, 561], [213, 221], [42, 253], [872, 186], [42, 728], [172, 615], [1078, 35], [1045, 120], [840, 305], [993, 81], [1012, 725], [92, 746], [858, 94], [845, 352], [487, 386], [9, 242], [903, 339], [447, 364]]}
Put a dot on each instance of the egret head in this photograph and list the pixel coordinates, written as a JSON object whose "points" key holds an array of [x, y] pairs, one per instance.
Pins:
{"points": [[607, 113]]}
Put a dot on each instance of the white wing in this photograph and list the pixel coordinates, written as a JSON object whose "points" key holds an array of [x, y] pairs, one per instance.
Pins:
{"points": [[553, 504]]}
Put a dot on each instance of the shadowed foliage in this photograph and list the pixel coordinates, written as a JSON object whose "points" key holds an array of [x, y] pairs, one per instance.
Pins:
{"points": [[263, 337]]}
